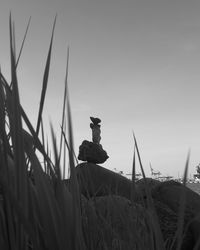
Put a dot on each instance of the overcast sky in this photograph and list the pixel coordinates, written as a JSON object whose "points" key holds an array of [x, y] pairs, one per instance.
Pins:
{"points": [[134, 64]]}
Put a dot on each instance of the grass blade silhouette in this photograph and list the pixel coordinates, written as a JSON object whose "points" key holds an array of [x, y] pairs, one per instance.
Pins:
{"points": [[17, 140], [133, 187], [23, 41], [64, 102], [45, 81], [182, 205], [159, 242]]}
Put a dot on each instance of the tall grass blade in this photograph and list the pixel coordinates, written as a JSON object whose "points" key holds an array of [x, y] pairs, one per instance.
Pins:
{"points": [[37, 142], [7, 213], [64, 101], [139, 158], [49, 215], [3, 137], [68, 147], [64, 155], [78, 237], [45, 81], [182, 205], [17, 139], [159, 242], [64, 200], [43, 143], [13, 40], [57, 159], [133, 187], [23, 41]]}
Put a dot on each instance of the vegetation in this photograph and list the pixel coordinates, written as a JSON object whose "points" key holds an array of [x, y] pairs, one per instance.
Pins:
{"points": [[37, 209]]}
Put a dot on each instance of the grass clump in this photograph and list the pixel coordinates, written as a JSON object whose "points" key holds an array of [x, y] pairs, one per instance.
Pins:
{"points": [[37, 209]]}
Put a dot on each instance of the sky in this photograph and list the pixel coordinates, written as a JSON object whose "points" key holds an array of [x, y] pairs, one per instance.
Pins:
{"points": [[133, 64]]}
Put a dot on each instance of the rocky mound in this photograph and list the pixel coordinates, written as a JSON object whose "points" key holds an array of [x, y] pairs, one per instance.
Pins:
{"points": [[98, 181], [108, 209], [112, 222]]}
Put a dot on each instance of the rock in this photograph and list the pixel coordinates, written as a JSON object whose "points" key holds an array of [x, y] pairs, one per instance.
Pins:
{"points": [[167, 220], [140, 186], [111, 222], [95, 180], [169, 193], [103, 184], [168, 224], [114, 220], [149, 181], [92, 153]]}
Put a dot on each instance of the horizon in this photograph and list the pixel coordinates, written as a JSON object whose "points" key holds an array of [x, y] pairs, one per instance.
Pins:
{"points": [[135, 65]]}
